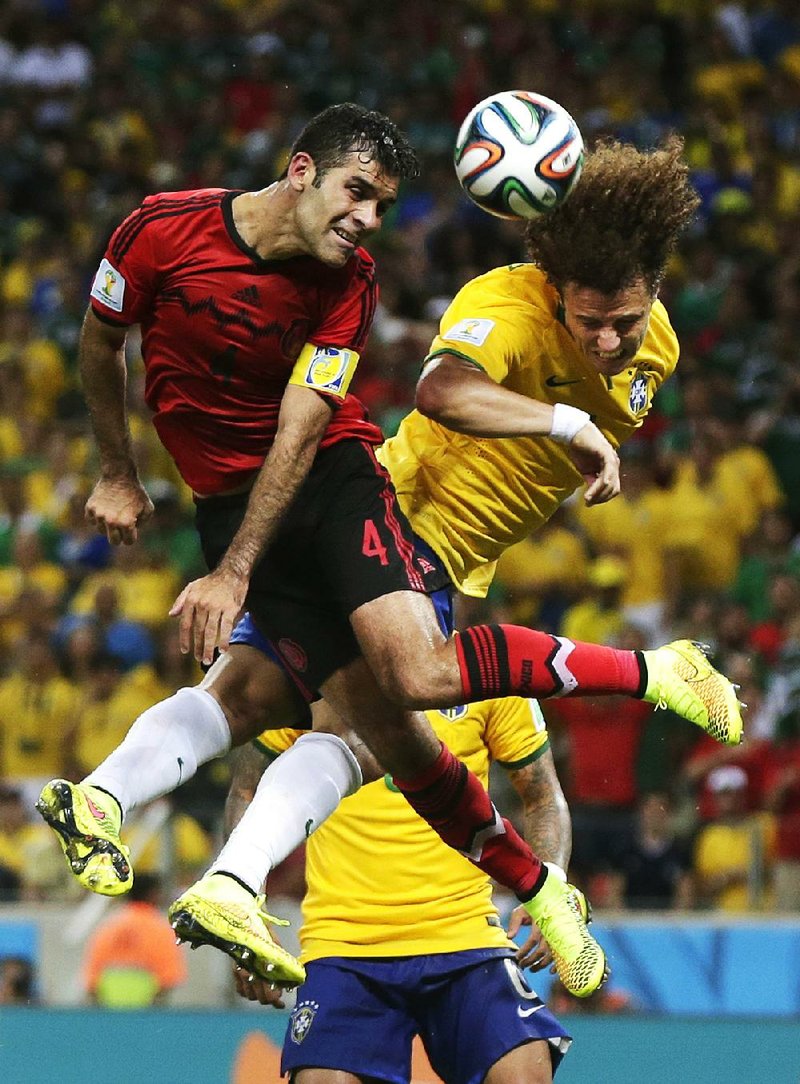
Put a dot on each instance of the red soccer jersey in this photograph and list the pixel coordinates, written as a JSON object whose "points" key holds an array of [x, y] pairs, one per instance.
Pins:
{"points": [[222, 330]]}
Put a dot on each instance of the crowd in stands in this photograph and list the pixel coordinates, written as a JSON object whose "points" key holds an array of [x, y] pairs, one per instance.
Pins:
{"points": [[102, 103]]}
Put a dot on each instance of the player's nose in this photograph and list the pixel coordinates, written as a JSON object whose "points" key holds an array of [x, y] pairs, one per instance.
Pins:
{"points": [[367, 215], [608, 339]]}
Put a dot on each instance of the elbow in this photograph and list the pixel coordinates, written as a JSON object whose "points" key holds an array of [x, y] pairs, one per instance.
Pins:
{"points": [[434, 402]]}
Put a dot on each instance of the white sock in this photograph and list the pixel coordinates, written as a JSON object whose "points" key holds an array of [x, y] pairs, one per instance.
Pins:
{"points": [[297, 792], [163, 748]]}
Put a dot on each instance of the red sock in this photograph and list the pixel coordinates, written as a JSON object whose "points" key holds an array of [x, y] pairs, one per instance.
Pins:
{"points": [[455, 804], [508, 660]]}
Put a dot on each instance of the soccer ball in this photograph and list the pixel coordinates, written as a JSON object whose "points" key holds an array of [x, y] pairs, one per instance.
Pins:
{"points": [[518, 154]]}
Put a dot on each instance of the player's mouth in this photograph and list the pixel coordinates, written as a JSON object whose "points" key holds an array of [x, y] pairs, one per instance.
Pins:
{"points": [[346, 236], [611, 361]]}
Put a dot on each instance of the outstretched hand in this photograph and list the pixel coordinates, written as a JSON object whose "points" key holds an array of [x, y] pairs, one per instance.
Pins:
{"points": [[534, 952], [598, 462], [254, 988], [116, 507], [208, 609]]}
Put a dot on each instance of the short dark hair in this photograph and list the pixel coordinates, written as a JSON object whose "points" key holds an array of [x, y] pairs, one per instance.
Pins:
{"points": [[621, 221], [343, 129]]}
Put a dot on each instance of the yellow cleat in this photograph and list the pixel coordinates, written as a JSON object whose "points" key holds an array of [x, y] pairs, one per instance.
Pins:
{"points": [[218, 911], [562, 912], [87, 822], [681, 678]]}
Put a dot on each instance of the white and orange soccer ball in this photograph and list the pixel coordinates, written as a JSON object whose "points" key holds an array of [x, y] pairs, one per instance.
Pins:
{"points": [[518, 154]]}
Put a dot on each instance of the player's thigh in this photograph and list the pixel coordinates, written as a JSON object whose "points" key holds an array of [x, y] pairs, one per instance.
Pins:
{"points": [[483, 1016], [352, 1017], [254, 692], [413, 661], [527, 1064], [402, 742]]}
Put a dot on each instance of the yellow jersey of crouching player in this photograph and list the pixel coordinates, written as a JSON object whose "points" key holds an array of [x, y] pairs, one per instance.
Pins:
{"points": [[407, 893], [471, 498]]}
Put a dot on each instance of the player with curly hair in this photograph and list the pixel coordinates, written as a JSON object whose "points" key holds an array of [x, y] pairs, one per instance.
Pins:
{"points": [[502, 434]]}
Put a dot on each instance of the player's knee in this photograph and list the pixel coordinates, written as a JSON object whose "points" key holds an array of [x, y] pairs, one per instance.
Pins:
{"points": [[412, 687], [246, 717]]}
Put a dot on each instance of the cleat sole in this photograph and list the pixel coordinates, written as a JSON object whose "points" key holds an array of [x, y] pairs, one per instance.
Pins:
{"points": [[188, 929], [56, 808]]}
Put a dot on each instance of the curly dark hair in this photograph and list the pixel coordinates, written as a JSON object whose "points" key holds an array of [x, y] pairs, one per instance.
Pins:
{"points": [[621, 221], [340, 130]]}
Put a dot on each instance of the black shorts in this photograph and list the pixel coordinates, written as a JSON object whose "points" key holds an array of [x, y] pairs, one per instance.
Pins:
{"points": [[343, 542]]}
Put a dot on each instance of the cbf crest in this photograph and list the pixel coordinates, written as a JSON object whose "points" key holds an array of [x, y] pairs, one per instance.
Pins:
{"points": [[638, 398], [302, 1018], [452, 714]]}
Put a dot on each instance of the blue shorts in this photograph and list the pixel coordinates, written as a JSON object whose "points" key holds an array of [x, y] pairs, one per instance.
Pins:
{"points": [[469, 1008]]}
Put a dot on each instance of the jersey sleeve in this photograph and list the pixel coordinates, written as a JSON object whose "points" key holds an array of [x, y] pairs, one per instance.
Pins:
{"points": [[274, 742], [481, 327], [125, 283], [327, 362], [516, 732], [660, 347]]}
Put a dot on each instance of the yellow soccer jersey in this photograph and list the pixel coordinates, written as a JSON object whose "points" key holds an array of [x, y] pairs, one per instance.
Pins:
{"points": [[471, 498], [380, 881]]}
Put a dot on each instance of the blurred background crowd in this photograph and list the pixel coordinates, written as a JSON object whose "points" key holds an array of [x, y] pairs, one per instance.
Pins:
{"points": [[102, 102]]}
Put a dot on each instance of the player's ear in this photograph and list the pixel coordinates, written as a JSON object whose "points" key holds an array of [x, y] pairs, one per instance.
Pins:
{"points": [[301, 171]]}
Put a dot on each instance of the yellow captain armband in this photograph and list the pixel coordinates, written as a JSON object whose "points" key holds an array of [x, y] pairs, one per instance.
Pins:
{"points": [[327, 369]]}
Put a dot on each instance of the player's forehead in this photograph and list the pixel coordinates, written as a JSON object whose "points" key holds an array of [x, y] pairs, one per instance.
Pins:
{"points": [[632, 300], [361, 166]]}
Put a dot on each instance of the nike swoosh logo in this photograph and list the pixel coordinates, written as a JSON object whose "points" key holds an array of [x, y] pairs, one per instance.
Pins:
{"points": [[554, 382], [528, 1012]]}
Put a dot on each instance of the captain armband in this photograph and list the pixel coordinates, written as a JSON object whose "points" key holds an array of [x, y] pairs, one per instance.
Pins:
{"points": [[326, 369]]}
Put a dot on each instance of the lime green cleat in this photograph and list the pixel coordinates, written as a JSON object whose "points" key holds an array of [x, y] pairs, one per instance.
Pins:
{"points": [[562, 912], [219, 911], [681, 678], [87, 822]]}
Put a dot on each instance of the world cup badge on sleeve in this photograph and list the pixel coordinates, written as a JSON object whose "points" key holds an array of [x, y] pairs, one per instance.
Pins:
{"points": [[109, 286]]}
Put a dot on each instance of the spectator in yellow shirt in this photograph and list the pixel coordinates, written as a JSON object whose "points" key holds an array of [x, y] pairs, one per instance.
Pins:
{"points": [[734, 852], [599, 616], [634, 527], [30, 867], [705, 538], [35, 702], [542, 575], [105, 718]]}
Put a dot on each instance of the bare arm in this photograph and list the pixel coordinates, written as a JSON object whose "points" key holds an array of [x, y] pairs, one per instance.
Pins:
{"points": [[209, 607], [303, 418], [463, 398], [118, 502], [101, 362], [548, 831], [548, 828]]}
